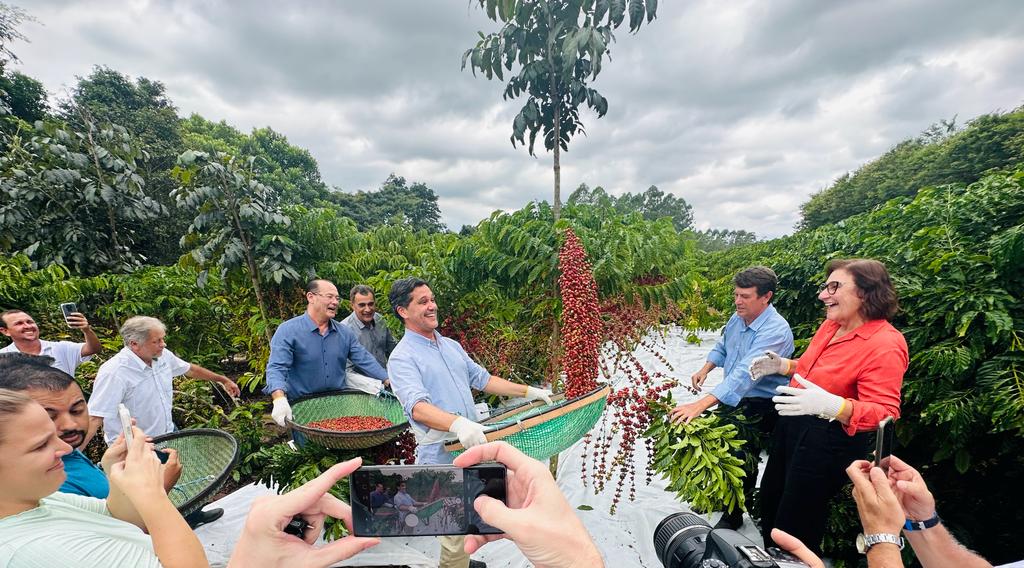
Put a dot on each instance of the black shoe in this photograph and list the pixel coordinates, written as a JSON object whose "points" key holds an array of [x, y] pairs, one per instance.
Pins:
{"points": [[477, 564], [731, 521], [201, 517]]}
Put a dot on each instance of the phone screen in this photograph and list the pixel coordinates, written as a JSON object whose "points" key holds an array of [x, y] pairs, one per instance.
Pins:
{"points": [[884, 441], [68, 309], [422, 500]]}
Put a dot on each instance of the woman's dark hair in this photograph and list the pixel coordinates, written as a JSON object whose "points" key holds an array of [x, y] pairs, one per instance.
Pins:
{"points": [[400, 295], [872, 280], [761, 277]]}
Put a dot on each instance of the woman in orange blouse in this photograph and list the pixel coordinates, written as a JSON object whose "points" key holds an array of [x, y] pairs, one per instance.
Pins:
{"points": [[847, 380]]}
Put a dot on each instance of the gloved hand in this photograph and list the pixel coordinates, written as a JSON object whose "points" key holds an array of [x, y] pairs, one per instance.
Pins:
{"points": [[281, 411], [413, 509], [470, 433], [811, 399], [769, 364], [533, 393]]}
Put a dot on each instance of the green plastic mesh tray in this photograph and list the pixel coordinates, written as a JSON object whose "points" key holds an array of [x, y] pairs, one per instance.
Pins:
{"points": [[338, 404], [207, 457], [543, 431]]}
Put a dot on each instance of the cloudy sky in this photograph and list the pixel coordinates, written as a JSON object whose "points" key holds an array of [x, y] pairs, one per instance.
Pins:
{"points": [[743, 108]]}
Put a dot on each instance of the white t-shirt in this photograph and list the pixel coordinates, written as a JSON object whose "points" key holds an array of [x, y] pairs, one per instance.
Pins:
{"points": [[72, 530], [67, 355], [146, 390]]}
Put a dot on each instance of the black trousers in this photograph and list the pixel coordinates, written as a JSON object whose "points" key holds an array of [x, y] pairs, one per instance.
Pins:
{"points": [[806, 468], [755, 419]]}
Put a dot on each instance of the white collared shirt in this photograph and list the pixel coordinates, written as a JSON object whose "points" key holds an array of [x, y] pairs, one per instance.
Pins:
{"points": [[67, 355], [147, 391]]}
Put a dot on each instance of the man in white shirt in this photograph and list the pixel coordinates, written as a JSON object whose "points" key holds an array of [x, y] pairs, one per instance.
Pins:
{"points": [[141, 376], [67, 355]]}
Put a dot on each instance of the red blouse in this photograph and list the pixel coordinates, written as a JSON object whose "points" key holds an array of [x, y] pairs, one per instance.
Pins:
{"points": [[865, 366]]}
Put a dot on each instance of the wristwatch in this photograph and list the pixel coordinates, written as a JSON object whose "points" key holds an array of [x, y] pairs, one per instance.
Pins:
{"points": [[866, 541], [921, 525]]}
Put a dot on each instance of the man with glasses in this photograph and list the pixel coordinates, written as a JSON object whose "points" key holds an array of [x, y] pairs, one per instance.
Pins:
{"points": [[308, 353], [755, 328], [373, 334]]}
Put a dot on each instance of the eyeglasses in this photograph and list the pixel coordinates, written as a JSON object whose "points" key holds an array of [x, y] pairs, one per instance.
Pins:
{"points": [[831, 287], [330, 297]]}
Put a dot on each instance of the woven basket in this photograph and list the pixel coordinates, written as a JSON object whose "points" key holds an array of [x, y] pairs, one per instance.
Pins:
{"points": [[338, 404], [207, 457], [541, 431]]}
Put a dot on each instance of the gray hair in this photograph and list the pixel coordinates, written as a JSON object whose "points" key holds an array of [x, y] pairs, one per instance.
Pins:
{"points": [[138, 328]]}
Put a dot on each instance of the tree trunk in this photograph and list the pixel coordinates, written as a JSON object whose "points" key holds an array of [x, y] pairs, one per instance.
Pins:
{"points": [[250, 263]]}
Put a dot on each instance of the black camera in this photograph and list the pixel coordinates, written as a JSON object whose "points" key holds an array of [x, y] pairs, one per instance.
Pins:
{"points": [[684, 540]]}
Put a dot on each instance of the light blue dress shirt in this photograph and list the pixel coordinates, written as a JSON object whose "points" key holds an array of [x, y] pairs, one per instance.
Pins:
{"points": [[439, 372], [740, 344], [302, 361]]}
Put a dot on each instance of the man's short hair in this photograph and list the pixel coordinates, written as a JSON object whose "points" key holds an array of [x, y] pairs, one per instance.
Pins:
{"points": [[400, 295], [761, 277], [5, 313], [313, 286], [361, 289], [138, 328], [19, 372]]}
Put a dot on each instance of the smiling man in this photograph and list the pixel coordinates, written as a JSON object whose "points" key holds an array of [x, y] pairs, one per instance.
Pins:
{"points": [[65, 355], [373, 334], [432, 376], [756, 327], [308, 353]]}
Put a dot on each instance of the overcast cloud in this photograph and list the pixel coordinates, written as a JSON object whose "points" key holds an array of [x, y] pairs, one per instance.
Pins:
{"points": [[742, 108]]}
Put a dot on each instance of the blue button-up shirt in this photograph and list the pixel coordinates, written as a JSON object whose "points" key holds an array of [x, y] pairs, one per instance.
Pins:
{"points": [[439, 372], [302, 361], [740, 344]]}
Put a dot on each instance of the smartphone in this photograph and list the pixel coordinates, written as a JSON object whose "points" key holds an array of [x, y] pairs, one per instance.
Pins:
{"points": [[885, 439], [126, 422], [423, 500], [67, 309]]}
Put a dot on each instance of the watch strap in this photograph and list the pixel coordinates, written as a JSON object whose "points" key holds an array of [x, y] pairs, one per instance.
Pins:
{"points": [[878, 538], [921, 525]]}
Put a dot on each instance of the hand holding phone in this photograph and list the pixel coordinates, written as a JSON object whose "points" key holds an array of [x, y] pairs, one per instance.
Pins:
{"points": [[535, 510], [126, 423]]}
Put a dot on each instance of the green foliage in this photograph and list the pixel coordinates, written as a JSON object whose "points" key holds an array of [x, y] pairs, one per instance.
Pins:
{"points": [[697, 460], [653, 204], [715, 240], [10, 18], [955, 253], [941, 155], [24, 96], [395, 203], [74, 197]]}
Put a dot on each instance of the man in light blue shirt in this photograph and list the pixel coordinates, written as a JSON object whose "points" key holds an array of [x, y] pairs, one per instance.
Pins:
{"points": [[756, 327], [432, 376], [309, 353]]}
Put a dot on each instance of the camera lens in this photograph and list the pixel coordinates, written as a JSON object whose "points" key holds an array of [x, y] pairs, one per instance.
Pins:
{"points": [[680, 539]]}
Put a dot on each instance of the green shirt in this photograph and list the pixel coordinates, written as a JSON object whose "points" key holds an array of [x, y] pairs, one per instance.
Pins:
{"points": [[72, 530]]}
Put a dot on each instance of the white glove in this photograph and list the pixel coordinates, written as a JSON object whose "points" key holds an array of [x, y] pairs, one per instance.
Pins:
{"points": [[412, 509], [470, 433], [769, 364], [533, 393], [282, 410], [811, 399]]}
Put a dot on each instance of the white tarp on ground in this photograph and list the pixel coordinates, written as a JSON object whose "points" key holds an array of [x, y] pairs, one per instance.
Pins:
{"points": [[625, 539]]}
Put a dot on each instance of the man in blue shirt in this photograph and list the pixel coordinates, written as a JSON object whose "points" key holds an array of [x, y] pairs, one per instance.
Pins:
{"points": [[309, 353], [432, 376], [756, 327]]}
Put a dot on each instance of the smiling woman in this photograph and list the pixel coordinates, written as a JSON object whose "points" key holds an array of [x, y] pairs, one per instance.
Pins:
{"points": [[847, 380]]}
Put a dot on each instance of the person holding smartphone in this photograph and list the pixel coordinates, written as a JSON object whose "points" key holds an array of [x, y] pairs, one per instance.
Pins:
{"points": [[432, 376], [843, 385], [66, 355]]}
